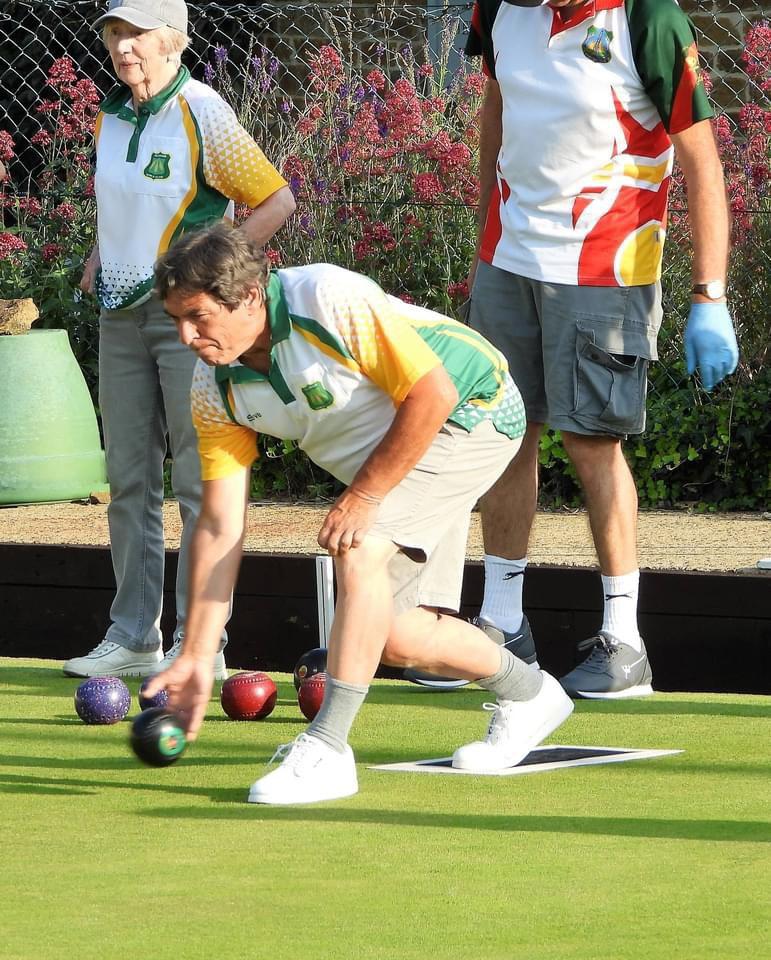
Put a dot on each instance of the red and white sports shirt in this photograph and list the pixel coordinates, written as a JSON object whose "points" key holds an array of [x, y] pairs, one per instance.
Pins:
{"points": [[588, 105]]}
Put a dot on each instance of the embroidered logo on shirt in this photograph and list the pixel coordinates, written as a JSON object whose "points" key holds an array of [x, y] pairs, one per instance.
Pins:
{"points": [[596, 45], [318, 396], [158, 168]]}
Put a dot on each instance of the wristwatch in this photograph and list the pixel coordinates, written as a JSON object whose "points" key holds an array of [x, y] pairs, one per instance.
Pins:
{"points": [[713, 289]]}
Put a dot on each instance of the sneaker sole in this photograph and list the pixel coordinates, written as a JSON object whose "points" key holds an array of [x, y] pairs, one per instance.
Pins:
{"points": [[642, 690], [285, 801], [146, 670], [439, 684], [557, 716]]}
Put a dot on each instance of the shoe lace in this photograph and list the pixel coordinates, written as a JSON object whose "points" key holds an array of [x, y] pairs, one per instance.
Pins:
{"points": [[602, 651], [104, 646], [497, 721], [295, 752]]}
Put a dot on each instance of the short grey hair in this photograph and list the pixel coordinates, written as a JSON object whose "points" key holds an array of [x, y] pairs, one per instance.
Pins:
{"points": [[173, 42], [220, 260]]}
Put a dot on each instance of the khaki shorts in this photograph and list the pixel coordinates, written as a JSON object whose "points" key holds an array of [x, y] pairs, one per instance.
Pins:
{"points": [[579, 355], [427, 515]]}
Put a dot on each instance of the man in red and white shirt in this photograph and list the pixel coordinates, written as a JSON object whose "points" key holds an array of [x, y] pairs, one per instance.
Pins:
{"points": [[586, 103]]}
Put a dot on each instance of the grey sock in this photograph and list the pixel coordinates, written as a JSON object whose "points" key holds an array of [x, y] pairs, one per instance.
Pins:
{"points": [[516, 680], [341, 704]]}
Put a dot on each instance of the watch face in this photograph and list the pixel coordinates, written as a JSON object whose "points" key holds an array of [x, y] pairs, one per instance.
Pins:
{"points": [[715, 289]]}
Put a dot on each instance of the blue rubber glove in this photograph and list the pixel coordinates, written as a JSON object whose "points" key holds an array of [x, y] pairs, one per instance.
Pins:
{"points": [[710, 343]]}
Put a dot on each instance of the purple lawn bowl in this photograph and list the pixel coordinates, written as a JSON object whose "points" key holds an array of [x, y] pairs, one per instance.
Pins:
{"points": [[161, 699], [102, 700]]}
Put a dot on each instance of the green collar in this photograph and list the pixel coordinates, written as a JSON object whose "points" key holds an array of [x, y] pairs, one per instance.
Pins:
{"points": [[115, 100], [278, 312], [280, 328]]}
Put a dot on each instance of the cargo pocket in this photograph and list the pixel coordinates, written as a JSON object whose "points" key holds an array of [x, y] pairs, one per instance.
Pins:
{"points": [[610, 388]]}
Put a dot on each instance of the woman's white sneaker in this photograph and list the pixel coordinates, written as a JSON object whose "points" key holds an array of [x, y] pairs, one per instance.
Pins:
{"points": [[310, 771], [516, 728], [110, 659]]}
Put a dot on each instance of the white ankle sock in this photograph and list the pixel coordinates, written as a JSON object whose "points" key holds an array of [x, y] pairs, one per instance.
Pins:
{"points": [[502, 602], [619, 617]]}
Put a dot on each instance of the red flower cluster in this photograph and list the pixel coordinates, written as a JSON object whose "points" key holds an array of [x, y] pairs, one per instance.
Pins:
{"points": [[74, 112], [458, 291], [10, 244], [402, 112], [6, 146], [65, 212], [376, 79], [427, 187], [756, 56], [50, 251], [474, 85], [376, 237], [326, 69]]}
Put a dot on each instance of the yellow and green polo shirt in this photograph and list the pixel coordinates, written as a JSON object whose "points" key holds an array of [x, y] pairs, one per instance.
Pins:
{"points": [[176, 164], [589, 103], [343, 357]]}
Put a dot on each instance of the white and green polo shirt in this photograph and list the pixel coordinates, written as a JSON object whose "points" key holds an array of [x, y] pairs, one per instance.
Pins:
{"points": [[174, 165], [585, 162], [343, 357]]}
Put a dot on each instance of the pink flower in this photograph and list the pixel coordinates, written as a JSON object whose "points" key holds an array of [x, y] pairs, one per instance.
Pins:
{"points": [[50, 251], [42, 138], [753, 118], [326, 68], [723, 132], [30, 205], [757, 50], [458, 291], [402, 113], [376, 79], [10, 244], [65, 212], [6, 146], [273, 256], [474, 85], [425, 70], [48, 106], [309, 121], [361, 249], [434, 105], [62, 73], [427, 187]]}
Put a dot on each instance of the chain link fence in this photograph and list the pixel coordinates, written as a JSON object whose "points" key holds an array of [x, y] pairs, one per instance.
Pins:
{"points": [[303, 78]]}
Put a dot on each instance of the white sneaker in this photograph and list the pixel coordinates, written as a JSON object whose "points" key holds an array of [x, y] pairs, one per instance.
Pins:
{"points": [[517, 727], [220, 670], [311, 771], [109, 659]]}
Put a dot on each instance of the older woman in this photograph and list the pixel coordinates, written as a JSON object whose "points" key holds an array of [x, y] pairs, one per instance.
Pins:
{"points": [[170, 157]]}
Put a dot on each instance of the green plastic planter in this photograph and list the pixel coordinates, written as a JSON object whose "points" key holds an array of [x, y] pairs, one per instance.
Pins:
{"points": [[49, 439]]}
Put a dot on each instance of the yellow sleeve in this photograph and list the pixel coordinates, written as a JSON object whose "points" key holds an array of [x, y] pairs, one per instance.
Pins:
{"points": [[382, 341], [233, 164], [223, 446]]}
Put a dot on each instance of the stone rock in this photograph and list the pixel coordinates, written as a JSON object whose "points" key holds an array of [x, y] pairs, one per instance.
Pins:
{"points": [[17, 316]]}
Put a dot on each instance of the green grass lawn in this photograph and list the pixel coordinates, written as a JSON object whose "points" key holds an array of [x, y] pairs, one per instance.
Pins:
{"points": [[103, 858]]}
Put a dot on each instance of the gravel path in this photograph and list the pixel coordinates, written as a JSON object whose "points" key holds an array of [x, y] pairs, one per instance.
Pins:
{"points": [[668, 540]]}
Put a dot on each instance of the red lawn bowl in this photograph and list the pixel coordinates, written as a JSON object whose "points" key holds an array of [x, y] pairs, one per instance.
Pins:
{"points": [[248, 696], [310, 696]]}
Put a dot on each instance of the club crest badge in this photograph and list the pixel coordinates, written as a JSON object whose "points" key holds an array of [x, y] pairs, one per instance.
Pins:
{"points": [[596, 45], [159, 167], [317, 395]]}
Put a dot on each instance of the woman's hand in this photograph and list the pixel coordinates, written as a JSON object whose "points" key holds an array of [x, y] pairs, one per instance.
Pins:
{"points": [[88, 280]]}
